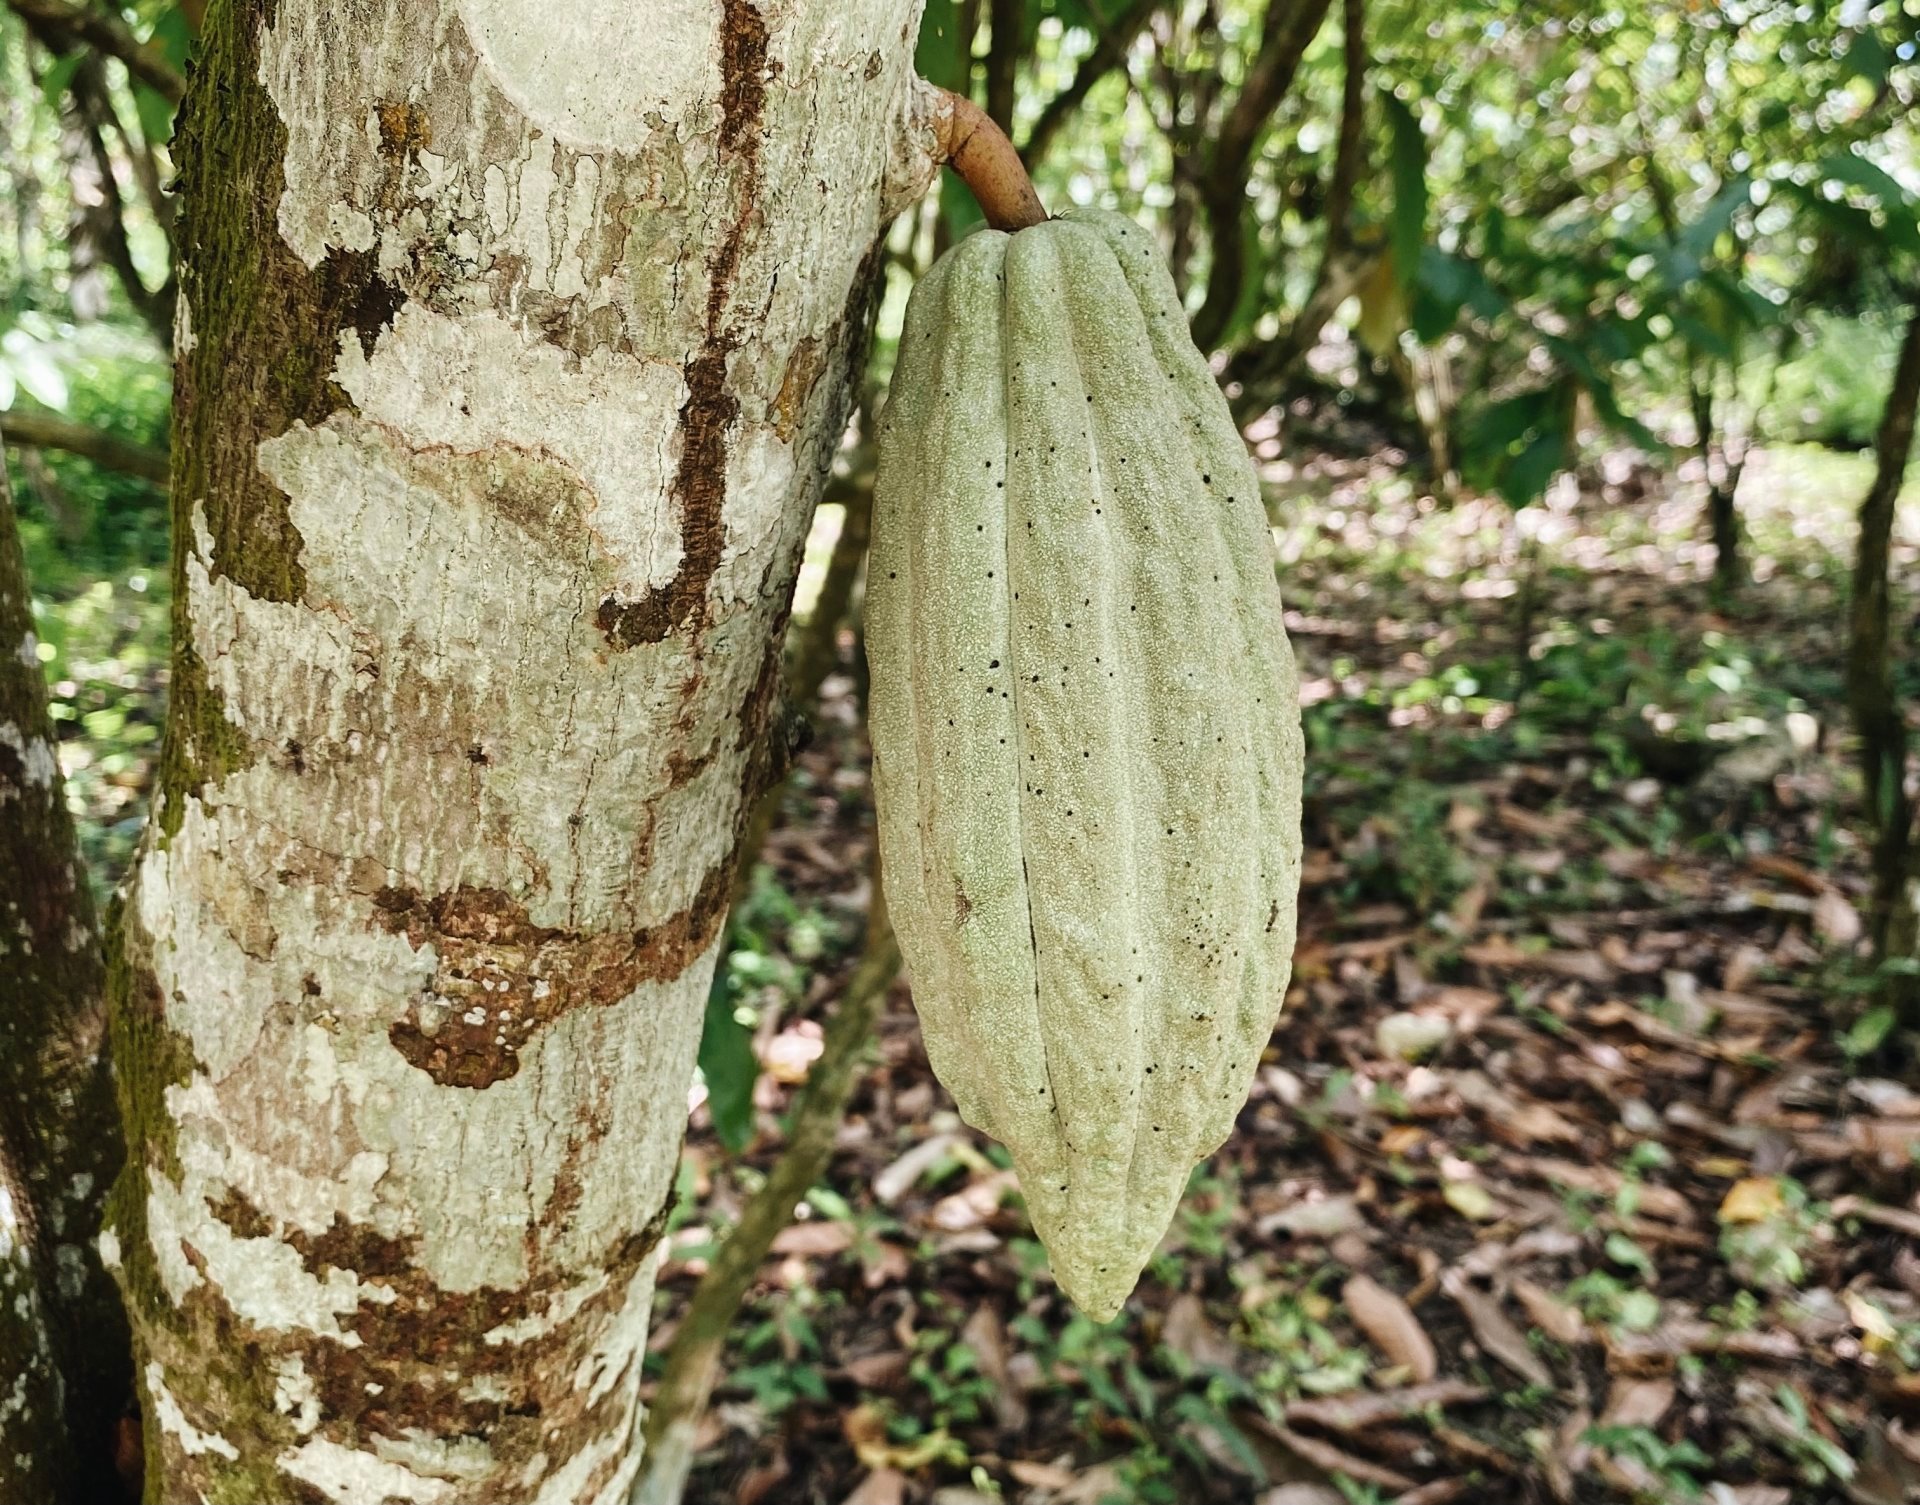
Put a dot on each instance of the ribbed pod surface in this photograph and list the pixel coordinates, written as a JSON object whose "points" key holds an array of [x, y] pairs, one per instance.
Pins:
{"points": [[1085, 725]]}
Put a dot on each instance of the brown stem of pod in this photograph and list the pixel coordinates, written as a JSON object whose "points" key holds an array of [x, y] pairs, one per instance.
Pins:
{"points": [[980, 152]]}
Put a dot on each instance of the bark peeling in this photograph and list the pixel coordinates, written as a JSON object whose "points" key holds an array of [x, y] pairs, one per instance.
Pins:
{"points": [[415, 966]]}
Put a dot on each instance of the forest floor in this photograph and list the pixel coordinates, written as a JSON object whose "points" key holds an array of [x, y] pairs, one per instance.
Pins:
{"points": [[1573, 1172], [1567, 1176]]}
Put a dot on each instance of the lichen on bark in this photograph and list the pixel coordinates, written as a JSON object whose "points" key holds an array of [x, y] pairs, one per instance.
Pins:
{"points": [[416, 956]]}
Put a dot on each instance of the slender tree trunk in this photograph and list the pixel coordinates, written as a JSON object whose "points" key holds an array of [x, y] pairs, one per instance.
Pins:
{"points": [[514, 341], [65, 1374], [1262, 369], [1877, 715], [1290, 28], [693, 1362], [1723, 520], [1006, 44]]}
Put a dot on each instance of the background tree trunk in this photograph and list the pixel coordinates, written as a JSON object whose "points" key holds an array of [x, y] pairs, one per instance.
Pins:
{"points": [[1894, 919], [514, 341], [65, 1378]]}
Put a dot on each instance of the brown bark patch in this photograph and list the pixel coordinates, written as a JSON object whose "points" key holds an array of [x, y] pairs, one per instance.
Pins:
{"points": [[354, 1247], [404, 127], [699, 488], [239, 1213], [809, 359], [412, 1372], [700, 480], [743, 68], [501, 978]]}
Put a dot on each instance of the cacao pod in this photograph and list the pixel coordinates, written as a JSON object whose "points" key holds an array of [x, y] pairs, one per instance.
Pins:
{"points": [[1085, 724]]}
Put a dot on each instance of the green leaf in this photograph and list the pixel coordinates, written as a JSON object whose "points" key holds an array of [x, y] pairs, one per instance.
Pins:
{"points": [[1253, 300], [1535, 467], [1868, 57], [1607, 403], [1445, 284], [727, 1063], [1698, 238], [1902, 227], [53, 83], [156, 114], [1869, 177], [34, 369], [1702, 336], [958, 206], [1675, 267], [173, 35], [1459, 281], [1870, 1031], [939, 56], [1192, 1408], [1407, 230], [1499, 426]]}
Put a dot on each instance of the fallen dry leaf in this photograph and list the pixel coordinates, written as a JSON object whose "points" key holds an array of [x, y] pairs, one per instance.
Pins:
{"points": [[1835, 920], [1470, 1199], [1753, 1199], [789, 1055], [898, 1178], [884, 1486], [987, 1337], [1097, 1484], [1390, 1323], [877, 1371], [973, 1204], [1322, 1217], [1040, 1475], [1324, 1455], [815, 1237], [1354, 1413], [1637, 1403], [1408, 1037], [1552, 1316], [1437, 1493], [1187, 1331], [1494, 1331]]}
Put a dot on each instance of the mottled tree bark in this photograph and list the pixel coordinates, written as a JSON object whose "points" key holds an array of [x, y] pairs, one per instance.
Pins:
{"points": [[65, 1376], [1894, 921], [515, 337]]}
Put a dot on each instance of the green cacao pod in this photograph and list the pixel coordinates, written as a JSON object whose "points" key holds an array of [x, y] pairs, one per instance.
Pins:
{"points": [[1086, 733]]}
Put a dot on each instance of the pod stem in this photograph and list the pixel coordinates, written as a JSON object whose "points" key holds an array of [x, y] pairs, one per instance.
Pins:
{"points": [[973, 146]]}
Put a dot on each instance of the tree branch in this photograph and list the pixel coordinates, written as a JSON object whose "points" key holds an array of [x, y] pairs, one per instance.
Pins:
{"points": [[92, 111], [693, 1362], [1224, 189], [50, 431], [1340, 269], [106, 34], [1109, 53]]}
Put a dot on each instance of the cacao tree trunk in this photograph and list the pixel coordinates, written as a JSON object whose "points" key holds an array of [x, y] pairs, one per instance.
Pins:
{"points": [[65, 1376], [514, 339], [1894, 916]]}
